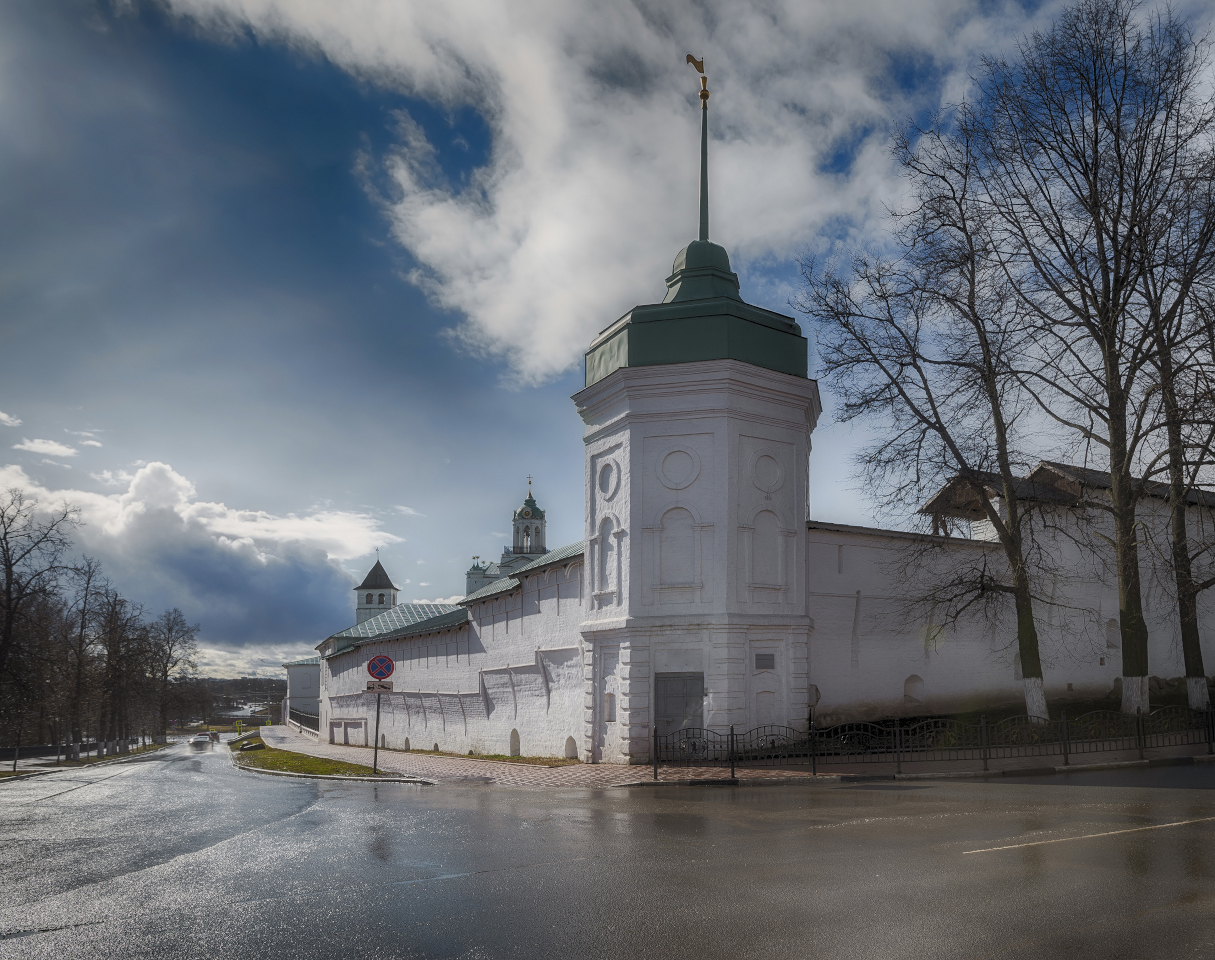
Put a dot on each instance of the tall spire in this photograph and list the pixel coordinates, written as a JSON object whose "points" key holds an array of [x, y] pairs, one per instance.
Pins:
{"points": [[704, 146]]}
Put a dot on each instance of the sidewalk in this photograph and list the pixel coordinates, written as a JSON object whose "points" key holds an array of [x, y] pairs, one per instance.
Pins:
{"points": [[457, 769]]}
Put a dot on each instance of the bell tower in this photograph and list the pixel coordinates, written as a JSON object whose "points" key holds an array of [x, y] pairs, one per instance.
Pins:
{"points": [[528, 525], [698, 414]]}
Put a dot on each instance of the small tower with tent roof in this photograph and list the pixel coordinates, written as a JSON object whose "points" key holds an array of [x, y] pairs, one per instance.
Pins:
{"points": [[375, 594]]}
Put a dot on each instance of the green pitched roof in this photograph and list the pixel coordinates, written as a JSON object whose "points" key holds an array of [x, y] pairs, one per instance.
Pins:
{"points": [[507, 584], [303, 663], [453, 617], [444, 621], [554, 556], [395, 618]]}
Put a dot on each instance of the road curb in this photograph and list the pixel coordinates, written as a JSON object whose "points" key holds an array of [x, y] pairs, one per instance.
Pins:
{"points": [[449, 756], [1061, 768], [334, 776], [329, 776], [25, 776]]}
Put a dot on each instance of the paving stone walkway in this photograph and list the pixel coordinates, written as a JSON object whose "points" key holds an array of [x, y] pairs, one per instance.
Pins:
{"points": [[456, 769]]}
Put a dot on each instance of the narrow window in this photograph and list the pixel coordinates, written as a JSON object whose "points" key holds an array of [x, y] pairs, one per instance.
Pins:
{"points": [[609, 707], [765, 661], [381, 599], [369, 599]]}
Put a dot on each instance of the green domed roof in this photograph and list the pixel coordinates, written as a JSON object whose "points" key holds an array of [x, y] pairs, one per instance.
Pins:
{"points": [[529, 510], [702, 270]]}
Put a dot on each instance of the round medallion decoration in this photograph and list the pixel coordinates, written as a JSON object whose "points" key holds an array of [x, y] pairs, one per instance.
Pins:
{"points": [[527, 512], [767, 474], [609, 479], [679, 468]]}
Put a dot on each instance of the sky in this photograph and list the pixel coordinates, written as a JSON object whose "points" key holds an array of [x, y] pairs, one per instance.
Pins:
{"points": [[286, 283]]}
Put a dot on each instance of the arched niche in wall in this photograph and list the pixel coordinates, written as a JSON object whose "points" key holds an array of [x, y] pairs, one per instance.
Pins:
{"points": [[676, 545], [766, 543], [605, 561]]}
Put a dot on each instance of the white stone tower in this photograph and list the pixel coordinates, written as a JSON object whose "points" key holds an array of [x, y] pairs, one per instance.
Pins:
{"points": [[698, 417], [375, 594]]}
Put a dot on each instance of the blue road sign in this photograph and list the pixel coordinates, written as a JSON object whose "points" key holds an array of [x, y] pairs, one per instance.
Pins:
{"points": [[381, 667]]}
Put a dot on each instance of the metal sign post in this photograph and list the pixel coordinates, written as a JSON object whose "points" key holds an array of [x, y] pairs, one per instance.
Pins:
{"points": [[375, 751], [381, 669]]}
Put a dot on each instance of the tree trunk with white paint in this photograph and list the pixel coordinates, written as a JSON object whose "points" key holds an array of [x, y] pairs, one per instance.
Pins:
{"points": [[1198, 694], [1035, 698], [1135, 695]]}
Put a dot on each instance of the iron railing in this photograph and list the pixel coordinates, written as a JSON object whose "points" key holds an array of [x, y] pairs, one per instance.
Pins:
{"points": [[305, 719], [935, 739]]}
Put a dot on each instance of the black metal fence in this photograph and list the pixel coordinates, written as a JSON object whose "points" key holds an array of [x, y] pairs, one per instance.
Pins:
{"points": [[307, 720], [937, 739]]}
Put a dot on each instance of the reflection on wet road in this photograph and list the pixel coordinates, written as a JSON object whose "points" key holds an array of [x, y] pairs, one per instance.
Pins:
{"points": [[180, 855]]}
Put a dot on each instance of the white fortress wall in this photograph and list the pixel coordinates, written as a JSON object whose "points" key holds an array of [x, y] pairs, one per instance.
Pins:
{"points": [[509, 680], [869, 659]]}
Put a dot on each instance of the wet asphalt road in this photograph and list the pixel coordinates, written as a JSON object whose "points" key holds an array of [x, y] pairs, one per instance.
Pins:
{"points": [[180, 855]]}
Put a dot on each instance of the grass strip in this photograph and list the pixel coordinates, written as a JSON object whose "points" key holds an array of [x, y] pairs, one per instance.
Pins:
{"points": [[500, 757], [288, 762]]}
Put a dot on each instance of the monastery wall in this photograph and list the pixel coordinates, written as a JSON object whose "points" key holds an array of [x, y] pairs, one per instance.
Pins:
{"points": [[509, 681], [870, 658]]}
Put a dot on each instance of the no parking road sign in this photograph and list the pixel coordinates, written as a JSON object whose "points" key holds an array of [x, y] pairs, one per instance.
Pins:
{"points": [[380, 667]]}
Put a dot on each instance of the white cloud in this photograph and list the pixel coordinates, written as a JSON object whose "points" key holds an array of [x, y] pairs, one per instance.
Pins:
{"points": [[342, 535], [409, 511], [89, 443], [56, 463], [423, 584], [456, 599], [591, 187], [51, 448], [112, 478], [9, 421]]}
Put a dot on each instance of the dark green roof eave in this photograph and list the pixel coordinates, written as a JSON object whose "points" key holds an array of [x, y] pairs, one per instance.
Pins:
{"points": [[742, 332], [505, 585], [456, 617]]}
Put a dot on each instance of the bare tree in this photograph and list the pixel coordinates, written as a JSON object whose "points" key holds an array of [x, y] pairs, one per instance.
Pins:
{"points": [[173, 649], [31, 563], [31, 559], [1186, 425], [122, 636], [1082, 136], [81, 639], [923, 345]]}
